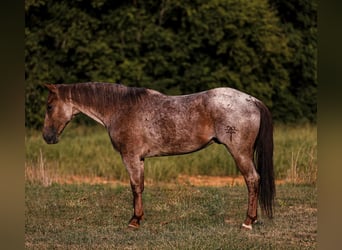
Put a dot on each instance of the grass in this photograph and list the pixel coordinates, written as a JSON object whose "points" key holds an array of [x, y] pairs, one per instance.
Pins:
{"points": [[176, 217], [87, 151], [295, 153]]}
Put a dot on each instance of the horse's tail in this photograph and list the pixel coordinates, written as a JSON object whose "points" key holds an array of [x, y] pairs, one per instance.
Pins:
{"points": [[264, 160]]}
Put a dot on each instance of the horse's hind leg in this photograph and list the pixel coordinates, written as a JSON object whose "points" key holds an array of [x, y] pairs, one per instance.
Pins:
{"points": [[247, 168], [242, 151], [135, 169]]}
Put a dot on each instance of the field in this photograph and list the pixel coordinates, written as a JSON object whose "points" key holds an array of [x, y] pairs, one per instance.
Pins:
{"points": [[63, 209], [179, 217]]}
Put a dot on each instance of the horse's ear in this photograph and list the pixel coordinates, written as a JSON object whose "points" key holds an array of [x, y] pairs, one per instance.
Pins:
{"points": [[51, 87]]}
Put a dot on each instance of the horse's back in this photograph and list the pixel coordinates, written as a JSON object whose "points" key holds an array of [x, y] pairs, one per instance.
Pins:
{"points": [[234, 103], [218, 105]]}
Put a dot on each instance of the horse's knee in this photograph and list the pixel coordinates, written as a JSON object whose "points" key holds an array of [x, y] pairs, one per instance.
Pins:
{"points": [[136, 174], [137, 186]]}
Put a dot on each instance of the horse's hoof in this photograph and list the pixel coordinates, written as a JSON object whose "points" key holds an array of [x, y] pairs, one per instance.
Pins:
{"points": [[249, 227], [133, 226], [134, 223]]}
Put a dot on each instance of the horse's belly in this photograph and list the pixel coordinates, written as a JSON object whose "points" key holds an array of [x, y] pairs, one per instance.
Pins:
{"points": [[180, 142], [176, 148]]}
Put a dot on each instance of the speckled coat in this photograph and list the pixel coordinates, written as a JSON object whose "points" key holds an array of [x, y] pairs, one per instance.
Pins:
{"points": [[145, 123]]}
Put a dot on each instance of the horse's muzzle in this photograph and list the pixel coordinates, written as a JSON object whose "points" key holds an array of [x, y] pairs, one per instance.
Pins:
{"points": [[50, 137]]}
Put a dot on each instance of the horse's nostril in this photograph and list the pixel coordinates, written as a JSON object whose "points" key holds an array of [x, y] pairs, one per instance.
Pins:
{"points": [[50, 138]]}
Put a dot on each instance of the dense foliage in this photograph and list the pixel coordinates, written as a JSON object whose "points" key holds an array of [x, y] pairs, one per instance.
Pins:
{"points": [[267, 49]]}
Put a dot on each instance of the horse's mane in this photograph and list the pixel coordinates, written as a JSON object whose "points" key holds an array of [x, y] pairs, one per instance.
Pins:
{"points": [[101, 95]]}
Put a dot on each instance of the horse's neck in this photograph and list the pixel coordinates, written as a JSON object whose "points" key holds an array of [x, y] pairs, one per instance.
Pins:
{"points": [[90, 112]]}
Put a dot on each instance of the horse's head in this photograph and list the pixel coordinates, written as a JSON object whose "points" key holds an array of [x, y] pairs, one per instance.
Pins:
{"points": [[58, 114]]}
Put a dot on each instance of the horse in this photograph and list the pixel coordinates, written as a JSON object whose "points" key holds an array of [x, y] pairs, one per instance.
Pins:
{"points": [[144, 123]]}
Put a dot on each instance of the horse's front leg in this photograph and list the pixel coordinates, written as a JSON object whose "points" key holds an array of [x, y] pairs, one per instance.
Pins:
{"points": [[135, 168]]}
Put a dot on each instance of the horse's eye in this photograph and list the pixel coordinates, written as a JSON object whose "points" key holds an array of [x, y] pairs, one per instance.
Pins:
{"points": [[49, 107]]}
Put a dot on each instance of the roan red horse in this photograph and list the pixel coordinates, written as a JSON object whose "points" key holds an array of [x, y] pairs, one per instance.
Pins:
{"points": [[145, 123]]}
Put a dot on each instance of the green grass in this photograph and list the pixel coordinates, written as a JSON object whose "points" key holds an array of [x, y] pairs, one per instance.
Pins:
{"points": [[87, 151], [295, 153], [177, 217]]}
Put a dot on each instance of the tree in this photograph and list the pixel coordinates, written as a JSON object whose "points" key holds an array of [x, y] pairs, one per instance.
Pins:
{"points": [[299, 20], [173, 46]]}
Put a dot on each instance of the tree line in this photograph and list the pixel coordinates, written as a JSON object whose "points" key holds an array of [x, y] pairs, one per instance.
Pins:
{"points": [[265, 48]]}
